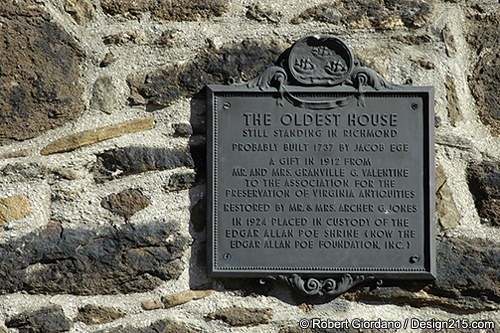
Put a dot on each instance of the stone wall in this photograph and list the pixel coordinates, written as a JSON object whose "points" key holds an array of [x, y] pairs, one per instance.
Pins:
{"points": [[102, 158]]}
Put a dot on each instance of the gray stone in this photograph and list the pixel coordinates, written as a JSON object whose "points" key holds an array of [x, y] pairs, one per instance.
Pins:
{"points": [[182, 130], [181, 181], [446, 209], [136, 159], [120, 38], [106, 260], [81, 11], [94, 314], [39, 72], [427, 64], [468, 271], [180, 10], [108, 59], [413, 38], [104, 96], [46, 320], [238, 316], [161, 326], [365, 14], [452, 99], [167, 37], [238, 61], [484, 184], [449, 41], [263, 13], [484, 38]]}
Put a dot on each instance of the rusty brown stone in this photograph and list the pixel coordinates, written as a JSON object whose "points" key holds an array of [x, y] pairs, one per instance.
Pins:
{"points": [[126, 203], [39, 72], [184, 297], [85, 138], [13, 208]]}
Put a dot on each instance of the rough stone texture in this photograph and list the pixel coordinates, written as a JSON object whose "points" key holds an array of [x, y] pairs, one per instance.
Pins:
{"points": [[449, 41], [181, 181], [180, 10], [446, 209], [468, 270], [237, 316], [182, 130], [108, 59], [39, 72], [131, 160], [452, 98], [94, 314], [126, 203], [152, 304], [108, 260], [238, 61], [45, 320], [14, 154], [91, 252], [184, 297], [413, 39], [13, 208], [484, 38], [20, 172], [362, 14], [167, 37], [104, 95], [262, 13], [161, 326], [120, 38], [81, 11], [85, 138], [484, 183]]}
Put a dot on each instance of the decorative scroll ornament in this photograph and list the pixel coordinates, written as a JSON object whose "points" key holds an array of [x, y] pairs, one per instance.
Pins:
{"points": [[364, 76], [319, 61], [328, 286], [274, 76]]}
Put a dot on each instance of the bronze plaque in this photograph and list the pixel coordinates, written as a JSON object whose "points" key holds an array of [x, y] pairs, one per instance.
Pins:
{"points": [[321, 168]]}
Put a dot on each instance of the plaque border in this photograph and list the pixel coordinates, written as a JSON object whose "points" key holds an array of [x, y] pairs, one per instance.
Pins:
{"points": [[426, 273]]}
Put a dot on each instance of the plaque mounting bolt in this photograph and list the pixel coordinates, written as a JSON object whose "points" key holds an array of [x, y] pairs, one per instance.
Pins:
{"points": [[226, 106], [226, 256], [414, 259], [414, 106]]}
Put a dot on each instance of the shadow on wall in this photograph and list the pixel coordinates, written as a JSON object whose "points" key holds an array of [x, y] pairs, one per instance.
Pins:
{"points": [[109, 260]]}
